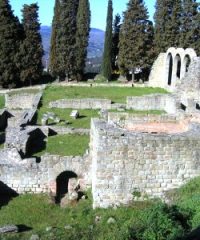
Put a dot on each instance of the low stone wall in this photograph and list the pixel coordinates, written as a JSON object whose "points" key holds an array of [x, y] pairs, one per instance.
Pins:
{"points": [[126, 162], [124, 119], [87, 103], [153, 102], [27, 176], [22, 100]]}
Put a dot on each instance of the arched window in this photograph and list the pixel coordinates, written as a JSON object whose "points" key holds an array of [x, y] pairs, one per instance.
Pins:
{"points": [[177, 63], [169, 67], [185, 65]]}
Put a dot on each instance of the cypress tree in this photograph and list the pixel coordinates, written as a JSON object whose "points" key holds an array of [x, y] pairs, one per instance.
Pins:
{"points": [[174, 27], [115, 41], [53, 65], [107, 54], [190, 34], [10, 36], [136, 38], [167, 19], [31, 50], [66, 39], [82, 36]]}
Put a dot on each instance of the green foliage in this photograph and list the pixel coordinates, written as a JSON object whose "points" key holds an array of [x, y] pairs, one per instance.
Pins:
{"points": [[188, 199], [158, 222], [53, 65], [115, 41], [136, 38], [190, 21], [167, 19], [10, 37], [31, 51], [66, 39], [66, 145], [100, 79], [82, 36], [106, 68]]}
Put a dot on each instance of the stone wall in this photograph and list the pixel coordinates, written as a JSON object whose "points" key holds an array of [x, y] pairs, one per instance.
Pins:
{"points": [[164, 102], [22, 100], [126, 162], [27, 176], [156, 77], [87, 103], [171, 67]]}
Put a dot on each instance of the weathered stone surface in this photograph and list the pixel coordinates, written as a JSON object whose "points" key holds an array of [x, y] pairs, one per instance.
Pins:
{"points": [[125, 162], [87, 103], [9, 229], [74, 114]]}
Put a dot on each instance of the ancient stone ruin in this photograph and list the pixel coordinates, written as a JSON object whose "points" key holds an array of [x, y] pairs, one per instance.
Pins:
{"points": [[129, 153]]}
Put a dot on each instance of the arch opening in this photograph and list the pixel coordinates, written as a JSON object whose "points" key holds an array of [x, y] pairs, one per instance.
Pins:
{"points": [[62, 184], [186, 64], [169, 67], [178, 66]]}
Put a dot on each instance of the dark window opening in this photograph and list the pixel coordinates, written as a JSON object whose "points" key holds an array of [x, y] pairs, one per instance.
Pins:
{"points": [[170, 70], [183, 107], [178, 72], [197, 106]]}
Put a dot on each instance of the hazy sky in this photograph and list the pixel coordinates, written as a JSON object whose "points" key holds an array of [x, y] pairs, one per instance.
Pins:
{"points": [[98, 10]]}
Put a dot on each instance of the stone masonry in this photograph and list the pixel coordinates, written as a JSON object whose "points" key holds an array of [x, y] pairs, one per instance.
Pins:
{"points": [[125, 162]]}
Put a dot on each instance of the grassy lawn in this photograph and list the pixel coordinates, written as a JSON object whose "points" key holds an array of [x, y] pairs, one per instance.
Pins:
{"points": [[2, 101], [64, 114], [116, 94], [149, 220], [66, 145]]}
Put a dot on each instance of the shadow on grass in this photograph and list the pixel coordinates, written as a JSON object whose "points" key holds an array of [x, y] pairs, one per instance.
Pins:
{"points": [[23, 228], [6, 194], [194, 235]]}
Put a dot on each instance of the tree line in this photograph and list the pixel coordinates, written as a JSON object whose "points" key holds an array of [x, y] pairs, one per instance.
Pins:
{"points": [[136, 42], [20, 46], [131, 45]]}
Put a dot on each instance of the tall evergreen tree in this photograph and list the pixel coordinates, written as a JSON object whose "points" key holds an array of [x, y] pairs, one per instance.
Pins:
{"points": [[10, 36], [136, 38], [107, 54], [190, 34], [82, 36], [167, 19], [115, 41], [31, 50], [53, 63], [66, 39]]}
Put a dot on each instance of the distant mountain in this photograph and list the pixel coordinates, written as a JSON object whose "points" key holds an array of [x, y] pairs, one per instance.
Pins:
{"points": [[95, 48]]}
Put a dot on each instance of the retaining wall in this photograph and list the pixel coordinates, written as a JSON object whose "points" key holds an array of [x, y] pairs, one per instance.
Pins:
{"points": [[153, 102], [27, 176], [87, 103], [125, 162]]}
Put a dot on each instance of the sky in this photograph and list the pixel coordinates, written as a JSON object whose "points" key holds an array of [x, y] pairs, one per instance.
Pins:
{"points": [[98, 10]]}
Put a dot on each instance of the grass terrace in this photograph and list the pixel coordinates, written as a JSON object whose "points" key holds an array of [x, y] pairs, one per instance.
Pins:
{"points": [[66, 145], [64, 114], [116, 94]]}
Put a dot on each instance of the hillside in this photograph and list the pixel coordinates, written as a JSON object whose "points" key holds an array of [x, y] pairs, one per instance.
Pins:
{"points": [[95, 48]]}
